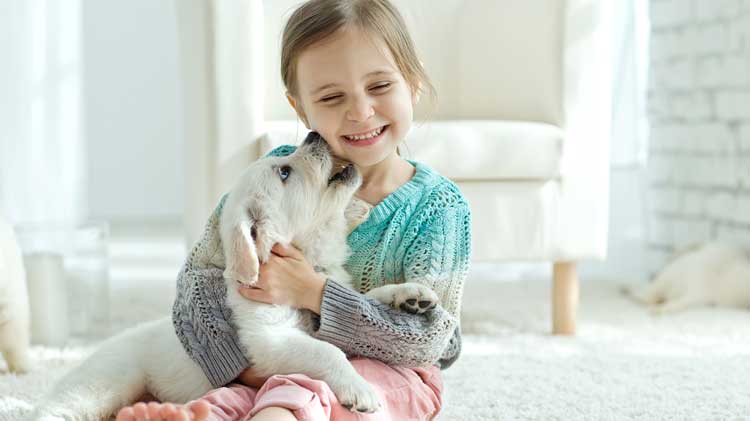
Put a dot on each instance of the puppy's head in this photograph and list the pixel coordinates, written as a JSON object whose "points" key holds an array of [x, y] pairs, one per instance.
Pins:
{"points": [[278, 198]]}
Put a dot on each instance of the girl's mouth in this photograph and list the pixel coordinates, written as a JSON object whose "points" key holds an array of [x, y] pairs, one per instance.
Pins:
{"points": [[366, 139]]}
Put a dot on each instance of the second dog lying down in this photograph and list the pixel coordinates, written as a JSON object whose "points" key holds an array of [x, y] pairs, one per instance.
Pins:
{"points": [[299, 199], [709, 274]]}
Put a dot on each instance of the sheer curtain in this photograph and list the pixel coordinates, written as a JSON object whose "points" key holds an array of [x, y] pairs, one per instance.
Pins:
{"points": [[42, 148], [626, 255], [629, 123]]}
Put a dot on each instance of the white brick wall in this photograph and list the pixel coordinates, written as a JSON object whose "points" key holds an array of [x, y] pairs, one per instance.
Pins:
{"points": [[699, 113]]}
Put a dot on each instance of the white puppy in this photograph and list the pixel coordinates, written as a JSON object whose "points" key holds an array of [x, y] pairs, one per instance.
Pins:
{"points": [[299, 199], [14, 303], [704, 275]]}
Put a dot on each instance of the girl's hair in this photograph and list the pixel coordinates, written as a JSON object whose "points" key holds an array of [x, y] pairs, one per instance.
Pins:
{"points": [[315, 20]]}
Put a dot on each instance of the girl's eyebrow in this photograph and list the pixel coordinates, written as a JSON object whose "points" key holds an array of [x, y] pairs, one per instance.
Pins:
{"points": [[373, 73]]}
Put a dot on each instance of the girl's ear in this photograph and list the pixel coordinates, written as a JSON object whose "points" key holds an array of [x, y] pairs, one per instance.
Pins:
{"points": [[298, 109]]}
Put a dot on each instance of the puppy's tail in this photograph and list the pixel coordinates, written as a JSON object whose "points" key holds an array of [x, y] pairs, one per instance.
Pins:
{"points": [[106, 381]]}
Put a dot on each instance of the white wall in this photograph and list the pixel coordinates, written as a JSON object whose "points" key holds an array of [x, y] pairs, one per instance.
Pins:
{"points": [[131, 98], [699, 109]]}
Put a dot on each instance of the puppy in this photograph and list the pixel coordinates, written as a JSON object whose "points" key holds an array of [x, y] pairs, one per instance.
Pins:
{"points": [[299, 199], [14, 303], [704, 275]]}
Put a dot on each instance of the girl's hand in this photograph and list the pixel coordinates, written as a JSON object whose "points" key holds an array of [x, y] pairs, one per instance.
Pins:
{"points": [[287, 279]]}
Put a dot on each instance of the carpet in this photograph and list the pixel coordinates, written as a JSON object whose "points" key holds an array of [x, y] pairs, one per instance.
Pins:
{"points": [[623, 364]]}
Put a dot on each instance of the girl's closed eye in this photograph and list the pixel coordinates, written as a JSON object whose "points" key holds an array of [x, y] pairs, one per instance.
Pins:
{"points": [[330, 98], [381, 87]]}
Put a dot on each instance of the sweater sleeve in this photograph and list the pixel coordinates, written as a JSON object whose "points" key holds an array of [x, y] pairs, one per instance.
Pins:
{"points": [[359, 325], [200, 315]]}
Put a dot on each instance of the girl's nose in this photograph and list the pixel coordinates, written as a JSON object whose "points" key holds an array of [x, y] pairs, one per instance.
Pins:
{"points": [[360, 110]]}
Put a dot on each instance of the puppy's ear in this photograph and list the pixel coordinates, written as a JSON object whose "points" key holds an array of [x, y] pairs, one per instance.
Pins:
{"points": [[245, 244], [241, 254]]}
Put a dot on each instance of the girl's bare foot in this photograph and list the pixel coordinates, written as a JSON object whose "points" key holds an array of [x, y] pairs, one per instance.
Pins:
{"points": [[155, 411]]}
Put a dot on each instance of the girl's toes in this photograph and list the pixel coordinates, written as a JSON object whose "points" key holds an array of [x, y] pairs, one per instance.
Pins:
{"points": [[154, 411], [141, 411], [126, 414], [200, 410], [181, 415], [168, 411]]}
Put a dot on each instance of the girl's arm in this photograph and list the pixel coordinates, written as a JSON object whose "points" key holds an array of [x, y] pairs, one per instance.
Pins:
{"points": [[200, 314], [438, 258]]}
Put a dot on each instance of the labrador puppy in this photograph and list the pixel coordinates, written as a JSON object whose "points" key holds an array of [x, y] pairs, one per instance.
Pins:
{"points": [[711, 274], [14, 303], [299, 199]]}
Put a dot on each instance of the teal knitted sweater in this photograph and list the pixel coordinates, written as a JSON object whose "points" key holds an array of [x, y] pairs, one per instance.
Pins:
{"points": [[419, 233]]}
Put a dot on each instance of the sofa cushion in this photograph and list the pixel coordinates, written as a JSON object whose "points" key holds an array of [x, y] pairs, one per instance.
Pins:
{"points": [[488, 150], [467, 149]]}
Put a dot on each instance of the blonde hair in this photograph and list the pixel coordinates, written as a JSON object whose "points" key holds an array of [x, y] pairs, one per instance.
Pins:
{"points": [[316, 20]]}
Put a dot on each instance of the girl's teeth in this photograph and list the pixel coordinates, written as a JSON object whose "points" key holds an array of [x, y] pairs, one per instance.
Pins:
{"points": [[370, 135]]}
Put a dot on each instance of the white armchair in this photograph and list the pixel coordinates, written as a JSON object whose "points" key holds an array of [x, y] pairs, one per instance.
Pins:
{"points": [[522, 122]]}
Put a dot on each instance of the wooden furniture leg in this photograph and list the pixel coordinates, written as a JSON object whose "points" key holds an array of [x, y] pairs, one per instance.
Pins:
{"points": [[564, 298]]}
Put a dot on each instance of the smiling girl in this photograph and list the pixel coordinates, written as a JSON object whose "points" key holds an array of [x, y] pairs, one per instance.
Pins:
{"points": [[353, 76]]}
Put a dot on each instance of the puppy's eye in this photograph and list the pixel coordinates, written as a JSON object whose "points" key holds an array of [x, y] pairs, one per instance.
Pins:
{"points": [[284, 172]]}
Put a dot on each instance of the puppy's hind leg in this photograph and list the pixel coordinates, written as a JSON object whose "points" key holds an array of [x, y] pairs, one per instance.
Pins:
{"points": [[14, 345], [106, 381], [293, 352], [18, 359]]}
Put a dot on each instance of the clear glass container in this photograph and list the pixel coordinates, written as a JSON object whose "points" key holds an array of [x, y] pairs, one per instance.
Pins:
{"points": [[67, 271]]}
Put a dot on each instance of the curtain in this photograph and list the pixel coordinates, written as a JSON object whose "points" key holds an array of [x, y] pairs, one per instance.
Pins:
{"points": [[629, 122], [42, 146], [627, 255]]}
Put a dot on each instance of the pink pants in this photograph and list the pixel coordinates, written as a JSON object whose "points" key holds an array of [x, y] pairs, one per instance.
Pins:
{"points": [[405, 394]]}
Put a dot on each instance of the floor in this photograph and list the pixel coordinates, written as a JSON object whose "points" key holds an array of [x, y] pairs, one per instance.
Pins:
{"points": [[624, 363]]}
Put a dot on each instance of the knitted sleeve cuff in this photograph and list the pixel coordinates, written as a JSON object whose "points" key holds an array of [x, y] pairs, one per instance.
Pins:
{"points": [[221, 358], [339, 314], [221, 361]]}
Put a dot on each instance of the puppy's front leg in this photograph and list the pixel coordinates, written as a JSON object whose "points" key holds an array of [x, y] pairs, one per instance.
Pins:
{"points": [[411, 297], [292, 351]]}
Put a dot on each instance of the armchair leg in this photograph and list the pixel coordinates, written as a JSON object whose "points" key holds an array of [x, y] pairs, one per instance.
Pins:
{"points": [[564, 298]]}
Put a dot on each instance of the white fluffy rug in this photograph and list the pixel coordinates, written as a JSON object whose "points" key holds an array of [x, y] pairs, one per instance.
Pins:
{"points": [[622, 364]]}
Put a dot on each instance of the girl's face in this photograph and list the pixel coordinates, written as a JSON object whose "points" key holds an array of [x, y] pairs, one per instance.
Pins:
{"points": [[349, 85]]}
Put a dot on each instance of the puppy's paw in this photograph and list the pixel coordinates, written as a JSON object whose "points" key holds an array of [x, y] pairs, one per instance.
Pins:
{"points": [[19, 363], [356, 395], [410, 297]]}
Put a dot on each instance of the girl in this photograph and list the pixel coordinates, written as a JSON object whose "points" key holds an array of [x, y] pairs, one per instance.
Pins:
{"points": [[352, 75]]}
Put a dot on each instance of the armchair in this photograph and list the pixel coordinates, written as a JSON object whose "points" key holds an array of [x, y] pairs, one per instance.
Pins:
{"points": [[522, 123]]}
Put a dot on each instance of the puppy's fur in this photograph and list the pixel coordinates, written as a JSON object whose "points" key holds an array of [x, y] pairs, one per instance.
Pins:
{"points": [[298, 199], [704, 275], [14, 303]]}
